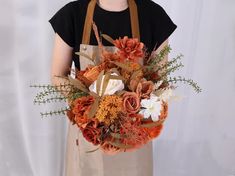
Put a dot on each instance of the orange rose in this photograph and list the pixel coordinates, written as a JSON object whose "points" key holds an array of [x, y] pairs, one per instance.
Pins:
{"points": [[130, 49], [81, 108], [131, 102], [91, 133], [144, 88]]}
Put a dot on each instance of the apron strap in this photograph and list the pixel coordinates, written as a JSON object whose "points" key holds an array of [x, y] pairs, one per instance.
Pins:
{"points": [[89, 18]]}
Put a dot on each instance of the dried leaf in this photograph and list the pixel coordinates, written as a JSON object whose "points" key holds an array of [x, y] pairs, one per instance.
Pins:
{"points": [[99, 81], [108, 38], [116, 77], [117, 135], [93, 94], [159, 92], [153, 124], [94, 108], [120, 145], [63, 77], [78, 84], [114, 70], [105, 82], [135, 74], [85, 55], [91, 151], [123, 66], [120, 92]]}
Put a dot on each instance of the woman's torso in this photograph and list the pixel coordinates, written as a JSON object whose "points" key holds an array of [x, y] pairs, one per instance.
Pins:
{"points": [[114, 24]]}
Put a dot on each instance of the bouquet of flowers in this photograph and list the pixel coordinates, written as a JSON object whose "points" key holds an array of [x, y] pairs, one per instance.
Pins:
{"points": [[118, 103]]}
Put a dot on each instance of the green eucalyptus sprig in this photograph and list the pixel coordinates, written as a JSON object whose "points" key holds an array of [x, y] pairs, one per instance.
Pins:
{"points": [[61, 111], [164, 69], [56, 93], [182, 79]]}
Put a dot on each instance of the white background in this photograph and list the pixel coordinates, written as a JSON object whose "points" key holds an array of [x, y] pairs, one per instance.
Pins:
{"points": [[199, 135]]}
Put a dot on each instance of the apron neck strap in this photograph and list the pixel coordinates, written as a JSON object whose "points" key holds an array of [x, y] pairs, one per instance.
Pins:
{"points": [[89, 18]]}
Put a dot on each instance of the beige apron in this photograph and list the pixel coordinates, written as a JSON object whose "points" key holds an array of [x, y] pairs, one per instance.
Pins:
{"points": [[80, 163]]}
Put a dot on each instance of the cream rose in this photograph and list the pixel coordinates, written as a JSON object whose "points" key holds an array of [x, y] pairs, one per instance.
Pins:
{"points": [[113, 86]]}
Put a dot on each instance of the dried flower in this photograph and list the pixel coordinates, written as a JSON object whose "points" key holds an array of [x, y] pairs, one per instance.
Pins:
{"points": [[109, 108], [129, 48], [134, 66]]}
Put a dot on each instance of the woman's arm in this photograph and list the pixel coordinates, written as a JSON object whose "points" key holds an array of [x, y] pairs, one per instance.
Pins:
{"points": [[61, 61]]}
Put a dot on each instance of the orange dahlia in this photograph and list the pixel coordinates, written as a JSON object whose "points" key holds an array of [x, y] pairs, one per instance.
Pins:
{"points": [[129, 48]]}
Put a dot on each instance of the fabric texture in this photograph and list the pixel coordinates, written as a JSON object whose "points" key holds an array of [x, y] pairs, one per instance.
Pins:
{"points": [[155, 24]]}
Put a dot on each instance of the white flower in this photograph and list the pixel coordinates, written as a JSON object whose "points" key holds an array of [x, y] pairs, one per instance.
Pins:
{"points": [[158, 84], [113, 86], [152, 107], [166, 94]]}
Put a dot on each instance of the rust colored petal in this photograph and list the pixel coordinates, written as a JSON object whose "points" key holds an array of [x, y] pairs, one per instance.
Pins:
{"points": [[144, 88], [91, 133], [92, 74], [131, 102]]}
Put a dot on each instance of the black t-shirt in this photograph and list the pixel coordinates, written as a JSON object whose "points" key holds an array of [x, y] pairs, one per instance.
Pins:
{"points": [[154, 23]]}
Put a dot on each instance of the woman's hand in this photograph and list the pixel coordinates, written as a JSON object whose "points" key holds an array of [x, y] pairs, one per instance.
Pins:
{"points": [[61, 62]]}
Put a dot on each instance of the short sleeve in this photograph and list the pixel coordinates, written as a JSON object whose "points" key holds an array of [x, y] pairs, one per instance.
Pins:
{"points": [[63, 24], [163, 25]]}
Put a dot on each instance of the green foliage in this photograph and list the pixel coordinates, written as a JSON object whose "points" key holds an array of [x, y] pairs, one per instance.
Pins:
{"points": [[164, 69], [189, 81], [52, 94], [62, 111]]}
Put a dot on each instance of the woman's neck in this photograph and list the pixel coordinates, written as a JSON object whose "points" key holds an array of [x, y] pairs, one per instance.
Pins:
{"points": [[113, 5]]}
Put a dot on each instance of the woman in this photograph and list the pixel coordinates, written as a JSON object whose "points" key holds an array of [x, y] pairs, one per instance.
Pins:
{"points": [[139, 18]]}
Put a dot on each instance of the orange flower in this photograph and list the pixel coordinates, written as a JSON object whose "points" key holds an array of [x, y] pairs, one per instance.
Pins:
{"points": [[110, 56], [156, 131], [91, 133], [71, 116], [109, 108], [144, 88], [129, 48], [135, 67], [92, 73], [136, 118], [81, 108], [131, 102], [135, 135], [82, 78]]}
